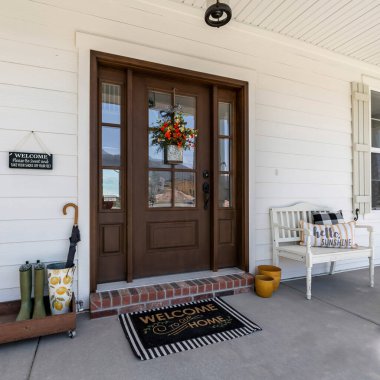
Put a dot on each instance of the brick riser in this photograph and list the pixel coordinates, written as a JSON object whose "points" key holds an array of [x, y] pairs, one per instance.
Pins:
{"points": [[115, 302]]}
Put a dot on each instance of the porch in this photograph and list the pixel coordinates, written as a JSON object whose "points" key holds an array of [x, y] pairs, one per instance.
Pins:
{"points": [[333, 336]]}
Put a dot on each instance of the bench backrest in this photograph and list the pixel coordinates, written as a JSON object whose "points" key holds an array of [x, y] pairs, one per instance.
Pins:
{"points": [[290, 217]]}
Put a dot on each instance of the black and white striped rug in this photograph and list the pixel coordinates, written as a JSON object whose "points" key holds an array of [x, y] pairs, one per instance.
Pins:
{"points": [[183, 327]]}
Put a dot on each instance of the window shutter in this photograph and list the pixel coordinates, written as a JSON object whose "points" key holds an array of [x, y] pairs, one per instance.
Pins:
{"points": [[361, 148]]}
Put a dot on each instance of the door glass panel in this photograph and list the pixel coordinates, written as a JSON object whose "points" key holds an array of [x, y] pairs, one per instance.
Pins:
{"points": [[111, 103], [188, 107], [224, 118], [184, 195], [188, 159], [158, 102], [111, 146], [224, 190], [224, 155], [160, 189], [111, 189]]}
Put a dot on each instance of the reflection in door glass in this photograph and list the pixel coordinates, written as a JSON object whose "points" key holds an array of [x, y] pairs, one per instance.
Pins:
{"points": [[375, 169], [188, 107], [111, 146], [224, 190], [156, 155], [158, 102], [111, 189], [184, 195], [224, 155], [111, 103], [375, 133], [224, 118], [160, 189]]}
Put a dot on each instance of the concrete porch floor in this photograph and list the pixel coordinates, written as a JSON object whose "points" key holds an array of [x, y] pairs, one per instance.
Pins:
{"points": [[336, 336]]}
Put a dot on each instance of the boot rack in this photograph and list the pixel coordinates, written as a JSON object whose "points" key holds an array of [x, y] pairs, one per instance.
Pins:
{"points": [[12, 330]]}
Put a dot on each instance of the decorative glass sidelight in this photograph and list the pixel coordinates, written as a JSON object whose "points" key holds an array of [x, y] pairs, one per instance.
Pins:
{"points": [[110, 147], [111, 189], [111, 102], [225, 155]]}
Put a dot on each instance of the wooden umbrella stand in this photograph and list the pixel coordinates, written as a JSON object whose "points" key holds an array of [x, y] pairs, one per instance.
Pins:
{"points": [[12, 330]]}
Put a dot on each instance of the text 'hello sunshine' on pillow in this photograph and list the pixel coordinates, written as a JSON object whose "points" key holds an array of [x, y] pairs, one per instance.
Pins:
{"points": [[329, 236]]}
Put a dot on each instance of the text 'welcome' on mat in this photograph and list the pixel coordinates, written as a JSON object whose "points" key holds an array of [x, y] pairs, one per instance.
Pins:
{"points": [[183, 327]]}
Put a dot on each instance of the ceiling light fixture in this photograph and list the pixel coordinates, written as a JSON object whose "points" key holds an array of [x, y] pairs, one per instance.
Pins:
{"points": [[218, 14]]}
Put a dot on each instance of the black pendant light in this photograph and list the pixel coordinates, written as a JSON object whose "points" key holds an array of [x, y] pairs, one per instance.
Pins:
{"points": [[218, 14]]}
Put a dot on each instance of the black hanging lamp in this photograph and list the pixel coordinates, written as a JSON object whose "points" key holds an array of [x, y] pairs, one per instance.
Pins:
{"points": [[218, 14]]}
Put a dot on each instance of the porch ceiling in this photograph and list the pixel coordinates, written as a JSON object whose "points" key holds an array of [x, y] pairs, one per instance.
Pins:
{"points": [[348, 27]]}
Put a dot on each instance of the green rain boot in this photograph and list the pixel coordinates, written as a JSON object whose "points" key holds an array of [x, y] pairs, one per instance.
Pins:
{"points": [[26, 291], [39, 283]]}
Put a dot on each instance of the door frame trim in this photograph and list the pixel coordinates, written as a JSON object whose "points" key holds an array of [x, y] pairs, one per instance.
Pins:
{"points": [[128, 64]]}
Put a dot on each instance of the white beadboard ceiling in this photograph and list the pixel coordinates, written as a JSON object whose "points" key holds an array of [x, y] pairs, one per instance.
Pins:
{"points": [[348, 27]]}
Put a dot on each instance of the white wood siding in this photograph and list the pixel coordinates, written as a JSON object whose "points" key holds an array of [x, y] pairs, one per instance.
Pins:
{"points": [[301, 130]]}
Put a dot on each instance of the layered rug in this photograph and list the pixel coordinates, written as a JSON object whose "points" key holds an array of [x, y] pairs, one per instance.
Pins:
{"points": [[183, 327]]}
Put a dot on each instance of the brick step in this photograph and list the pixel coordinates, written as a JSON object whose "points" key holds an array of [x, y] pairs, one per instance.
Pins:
{"points": [[128, 300]]}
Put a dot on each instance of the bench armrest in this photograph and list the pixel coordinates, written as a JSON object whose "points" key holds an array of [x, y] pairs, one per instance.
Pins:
{"points": [[370, 233], [307, 233], [368, 228]]}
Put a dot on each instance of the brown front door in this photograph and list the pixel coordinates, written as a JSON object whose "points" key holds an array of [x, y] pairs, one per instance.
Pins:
{"points": [[171, 206], [149, 217]]}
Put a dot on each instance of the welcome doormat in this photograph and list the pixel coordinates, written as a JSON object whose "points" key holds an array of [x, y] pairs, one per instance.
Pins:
{"points": [[183, 327]]}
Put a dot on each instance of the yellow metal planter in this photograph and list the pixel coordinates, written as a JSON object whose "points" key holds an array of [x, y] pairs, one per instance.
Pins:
{"points": [[264, 285], [271, 271]]}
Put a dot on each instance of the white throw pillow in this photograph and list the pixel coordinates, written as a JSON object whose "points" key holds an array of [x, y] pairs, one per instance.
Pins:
{"points": [[340, 235]]}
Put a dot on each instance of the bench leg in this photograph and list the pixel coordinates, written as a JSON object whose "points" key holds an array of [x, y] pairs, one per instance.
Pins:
{"points": [[332, 267], [308, 282], [276, 259], [371, 272]]}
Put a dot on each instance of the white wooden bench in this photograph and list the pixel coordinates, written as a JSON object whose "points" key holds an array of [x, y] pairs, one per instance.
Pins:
{"points": [[286, 238]]}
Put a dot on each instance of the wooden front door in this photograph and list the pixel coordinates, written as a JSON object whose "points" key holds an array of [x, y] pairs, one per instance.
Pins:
{"points": [[171, 205], [149, 217]]}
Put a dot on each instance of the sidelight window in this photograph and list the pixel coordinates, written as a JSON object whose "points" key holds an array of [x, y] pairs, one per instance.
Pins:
{"points": [[225, 149], [110, 135]]}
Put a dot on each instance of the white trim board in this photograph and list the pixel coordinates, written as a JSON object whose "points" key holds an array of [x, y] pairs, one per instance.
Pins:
{"points": [[212, 65]]}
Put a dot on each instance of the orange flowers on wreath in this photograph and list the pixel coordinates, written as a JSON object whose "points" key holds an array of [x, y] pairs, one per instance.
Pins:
{"points": [[172, 130]]}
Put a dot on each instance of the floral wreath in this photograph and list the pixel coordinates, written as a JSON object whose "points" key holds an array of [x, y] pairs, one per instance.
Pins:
{"points": [[172, 130]]}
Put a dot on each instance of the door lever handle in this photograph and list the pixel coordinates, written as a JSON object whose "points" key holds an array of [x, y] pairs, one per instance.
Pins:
{"points": [[206, 194]]}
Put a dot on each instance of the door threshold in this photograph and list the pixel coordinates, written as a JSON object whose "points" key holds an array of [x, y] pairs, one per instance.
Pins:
{"points": [[142, 295], [157, 280]]}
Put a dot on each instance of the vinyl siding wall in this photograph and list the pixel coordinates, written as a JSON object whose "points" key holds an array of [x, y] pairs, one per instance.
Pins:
{"points": [[301, 131]]}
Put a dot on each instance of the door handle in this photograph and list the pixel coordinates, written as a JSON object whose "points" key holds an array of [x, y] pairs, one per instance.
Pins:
{"points": [[206, 194]]}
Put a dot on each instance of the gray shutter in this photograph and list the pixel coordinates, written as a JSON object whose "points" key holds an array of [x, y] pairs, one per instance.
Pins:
{"points": [[361, 148]]}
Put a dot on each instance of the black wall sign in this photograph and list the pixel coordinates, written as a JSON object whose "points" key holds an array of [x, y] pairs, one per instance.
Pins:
{"points": [[23, 160]]}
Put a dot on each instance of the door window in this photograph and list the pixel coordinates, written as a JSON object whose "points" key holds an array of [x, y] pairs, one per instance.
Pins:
{"points": [[170, 185]]}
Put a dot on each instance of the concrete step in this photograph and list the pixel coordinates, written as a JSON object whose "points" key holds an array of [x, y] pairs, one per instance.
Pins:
{"points": [[114, 302]]}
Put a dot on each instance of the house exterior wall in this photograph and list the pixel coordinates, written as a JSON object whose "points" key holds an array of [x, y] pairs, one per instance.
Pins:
{"points": [[300, 117]]}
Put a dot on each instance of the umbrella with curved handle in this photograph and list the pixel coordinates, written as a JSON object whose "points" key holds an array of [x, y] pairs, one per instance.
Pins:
{"points": [[75, 235]]}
